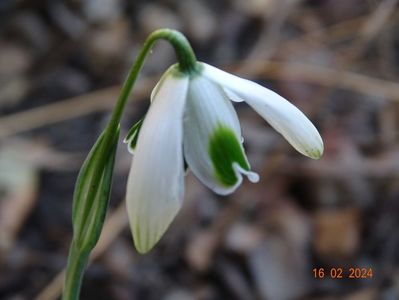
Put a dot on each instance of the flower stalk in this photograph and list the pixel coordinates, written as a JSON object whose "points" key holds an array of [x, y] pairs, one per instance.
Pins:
{"points": [[77, 262]]}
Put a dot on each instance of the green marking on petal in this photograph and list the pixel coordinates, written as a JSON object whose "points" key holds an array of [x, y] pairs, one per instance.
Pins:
{"points": [[314, 153], [132, 135], [224, 150]]}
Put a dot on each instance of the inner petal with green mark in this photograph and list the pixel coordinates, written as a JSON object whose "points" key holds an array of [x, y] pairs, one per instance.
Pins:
{"points": [[228, 157]]}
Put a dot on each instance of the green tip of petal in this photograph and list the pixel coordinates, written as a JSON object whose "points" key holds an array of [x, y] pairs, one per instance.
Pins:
{"points": [[141, 246], [314, 153], [225, 150], [144, 241]]}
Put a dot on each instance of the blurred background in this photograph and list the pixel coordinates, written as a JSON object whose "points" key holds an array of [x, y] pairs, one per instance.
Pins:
{"points": [[62, 63]]}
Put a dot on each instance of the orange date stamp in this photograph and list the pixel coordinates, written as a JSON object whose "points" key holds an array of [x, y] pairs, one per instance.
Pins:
{"points": [[343, 273]]}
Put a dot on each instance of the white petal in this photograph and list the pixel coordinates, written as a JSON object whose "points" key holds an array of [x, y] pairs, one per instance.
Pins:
{"points": [[156, 185], [172, 69], [280, 113], [232, 96], [207, 108]]}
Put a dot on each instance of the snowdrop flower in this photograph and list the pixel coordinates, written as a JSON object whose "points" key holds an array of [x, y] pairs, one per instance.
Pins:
{"points": [[192, 122]]}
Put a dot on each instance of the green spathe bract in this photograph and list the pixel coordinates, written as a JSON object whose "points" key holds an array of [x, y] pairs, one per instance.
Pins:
{"points": [[132, 135], [225, 150], [90, 202], [91, 195]]}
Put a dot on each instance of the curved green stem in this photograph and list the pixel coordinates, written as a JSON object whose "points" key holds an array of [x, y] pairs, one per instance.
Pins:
{"points": [[187, 63], [185, 56]]}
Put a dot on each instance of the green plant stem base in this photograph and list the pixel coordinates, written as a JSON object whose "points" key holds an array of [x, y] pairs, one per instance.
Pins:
{"points": [[77, 262]]}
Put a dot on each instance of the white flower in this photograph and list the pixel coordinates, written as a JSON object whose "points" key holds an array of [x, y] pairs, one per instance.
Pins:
{"points": [[191, 120]]}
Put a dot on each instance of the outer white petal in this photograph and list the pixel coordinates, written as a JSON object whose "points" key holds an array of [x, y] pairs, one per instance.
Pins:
{"points": [[232, 96], [207, 107], [280, 113], [156, 185]]}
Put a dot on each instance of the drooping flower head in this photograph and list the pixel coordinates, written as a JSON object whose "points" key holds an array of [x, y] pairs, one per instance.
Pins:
{"points": [[192, 120]]}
